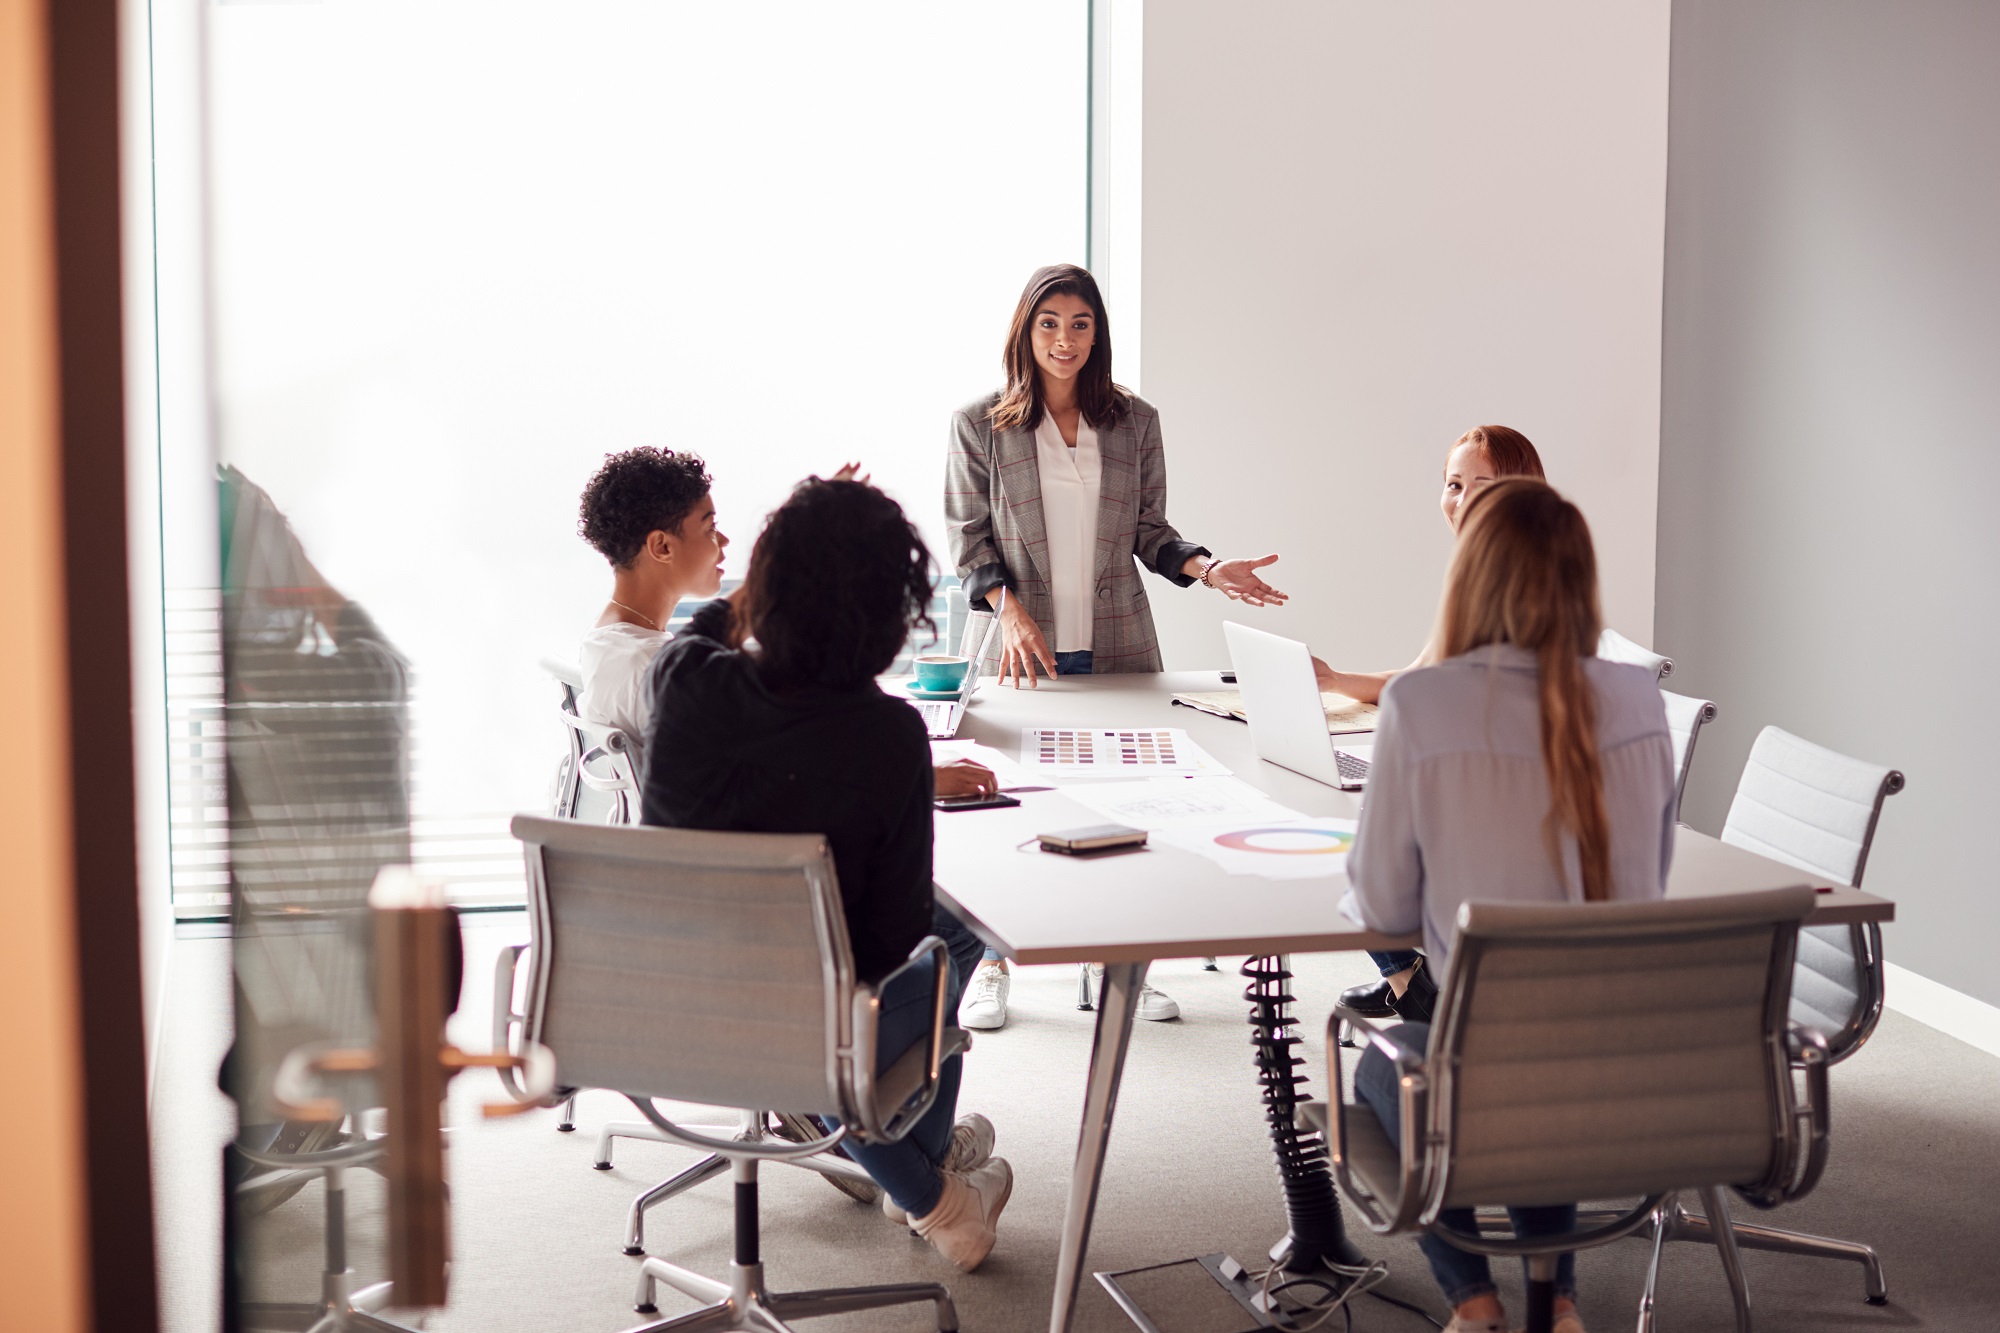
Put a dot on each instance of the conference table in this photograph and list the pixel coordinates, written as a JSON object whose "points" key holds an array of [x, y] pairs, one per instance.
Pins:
{"points": [[1126, 910]]}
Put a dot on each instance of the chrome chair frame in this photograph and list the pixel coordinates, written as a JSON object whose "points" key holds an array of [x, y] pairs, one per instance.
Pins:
{"points": [[1698, 714], [1427, 1080], [851, 1023]]}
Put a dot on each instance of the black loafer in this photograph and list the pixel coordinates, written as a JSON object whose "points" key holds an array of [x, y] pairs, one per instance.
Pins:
{"points": [[1376, 1001]]}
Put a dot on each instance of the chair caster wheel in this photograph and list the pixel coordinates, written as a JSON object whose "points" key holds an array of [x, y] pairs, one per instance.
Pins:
{"points": [[634, 1251], [600, 1166], [565, 1129], [1878, 1300], [645, 1309]]}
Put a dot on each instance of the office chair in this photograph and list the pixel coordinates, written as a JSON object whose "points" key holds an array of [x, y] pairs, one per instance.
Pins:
{"points": [[598, 777], [597, 780], [1615, 647], [341, 1305], [1685, 719], [1620, 1099], [1815, 809], [715, 968]]}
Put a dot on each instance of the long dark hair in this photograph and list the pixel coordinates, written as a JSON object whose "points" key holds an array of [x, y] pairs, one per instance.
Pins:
{"points": [[1525, 573], [1020, 407], [836, 580]]}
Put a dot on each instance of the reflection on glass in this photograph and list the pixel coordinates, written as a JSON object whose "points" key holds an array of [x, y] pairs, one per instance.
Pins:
{"points": [[315, 725]]}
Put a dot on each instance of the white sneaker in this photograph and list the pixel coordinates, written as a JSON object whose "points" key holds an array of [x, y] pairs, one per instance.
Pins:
{"points": [[984, 1008], [1155, 1006], [961, 1227], [972, 1139]]}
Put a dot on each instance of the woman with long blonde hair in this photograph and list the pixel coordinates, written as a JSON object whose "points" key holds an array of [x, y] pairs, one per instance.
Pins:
{"points": [[1521, 767]]}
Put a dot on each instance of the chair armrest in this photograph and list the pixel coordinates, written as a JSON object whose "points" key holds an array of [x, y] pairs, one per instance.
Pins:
{"points": [[504, 1015], [1414, 1168], [1807, 1050], [1403, 1055], [870, 1126]]}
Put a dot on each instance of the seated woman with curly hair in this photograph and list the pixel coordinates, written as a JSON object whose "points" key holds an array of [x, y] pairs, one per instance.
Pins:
{"points": [[792, 735]]}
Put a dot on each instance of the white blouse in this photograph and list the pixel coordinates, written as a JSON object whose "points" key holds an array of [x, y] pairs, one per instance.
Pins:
{"points": [[1070, 485]]}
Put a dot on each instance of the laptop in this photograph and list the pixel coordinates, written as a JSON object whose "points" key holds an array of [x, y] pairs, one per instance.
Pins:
{"points": [[1287, 719], [942, 716]]}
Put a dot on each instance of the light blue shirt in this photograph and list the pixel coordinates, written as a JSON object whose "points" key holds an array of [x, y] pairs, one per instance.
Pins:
{"points": [[1457, 795]]}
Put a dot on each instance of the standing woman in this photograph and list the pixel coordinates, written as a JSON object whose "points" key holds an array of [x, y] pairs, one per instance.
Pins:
{"points": [[1055, 484]]}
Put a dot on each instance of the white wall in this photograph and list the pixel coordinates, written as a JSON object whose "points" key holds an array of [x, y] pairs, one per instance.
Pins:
{"points": [[1828, 541], [1367, 228]]}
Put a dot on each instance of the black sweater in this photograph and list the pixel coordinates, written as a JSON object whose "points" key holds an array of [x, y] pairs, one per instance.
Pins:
{"points": [[727, 753]]}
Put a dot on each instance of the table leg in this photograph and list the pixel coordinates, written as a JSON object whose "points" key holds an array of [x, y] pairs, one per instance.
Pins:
{"points": [[1115, 1005]]}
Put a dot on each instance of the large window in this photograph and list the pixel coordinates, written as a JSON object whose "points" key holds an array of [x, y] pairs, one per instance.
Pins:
{"points": [[460, 252]]}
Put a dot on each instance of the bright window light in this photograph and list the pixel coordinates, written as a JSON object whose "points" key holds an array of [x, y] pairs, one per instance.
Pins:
{"points": [[462, 251]]}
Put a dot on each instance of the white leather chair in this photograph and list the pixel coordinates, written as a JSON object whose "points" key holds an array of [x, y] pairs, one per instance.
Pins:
{"points": [[714, 968], [1816, 809], [1615, 647]]}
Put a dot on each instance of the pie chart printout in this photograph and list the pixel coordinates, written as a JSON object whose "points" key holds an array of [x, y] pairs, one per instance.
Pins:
{"points": [[1283, 841]]}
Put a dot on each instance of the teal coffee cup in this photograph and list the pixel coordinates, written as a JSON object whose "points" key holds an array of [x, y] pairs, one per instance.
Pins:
{"points": [[940, 673]]}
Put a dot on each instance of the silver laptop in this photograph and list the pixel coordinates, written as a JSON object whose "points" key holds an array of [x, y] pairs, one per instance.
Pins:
{"points": [[1287, 719], [942, 716]]}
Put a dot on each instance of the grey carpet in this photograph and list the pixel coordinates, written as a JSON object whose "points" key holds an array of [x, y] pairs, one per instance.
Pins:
{"points": [[537, 1232]]}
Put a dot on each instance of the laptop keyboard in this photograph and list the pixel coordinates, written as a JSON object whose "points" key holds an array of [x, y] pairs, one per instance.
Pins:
{"points": [[938, 718], [1351, 769]]}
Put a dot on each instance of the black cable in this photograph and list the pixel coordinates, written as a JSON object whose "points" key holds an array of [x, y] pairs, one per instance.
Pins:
{"points": [[1416, 1310], [1317, 1234]]}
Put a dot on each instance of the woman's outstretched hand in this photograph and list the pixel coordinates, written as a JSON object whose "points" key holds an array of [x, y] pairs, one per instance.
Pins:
{"points": [[1022, 647], [850, 472], [1238, 581]]}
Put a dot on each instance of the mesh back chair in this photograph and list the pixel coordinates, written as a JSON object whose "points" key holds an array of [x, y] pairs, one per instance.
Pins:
{"points": [[1685, 719], [598, 777], [1621, 1098], [1615, 647], [714, 968]]}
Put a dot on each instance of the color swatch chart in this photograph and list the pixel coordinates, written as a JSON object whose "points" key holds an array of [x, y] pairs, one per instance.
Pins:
{"points": [[1114, 752]]}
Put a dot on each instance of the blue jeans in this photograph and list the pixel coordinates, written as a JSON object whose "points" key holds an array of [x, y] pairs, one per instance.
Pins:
{"points": [[1392, 961], [966, 950], [909, 1169], [1073, 664], [1460, 1273]]}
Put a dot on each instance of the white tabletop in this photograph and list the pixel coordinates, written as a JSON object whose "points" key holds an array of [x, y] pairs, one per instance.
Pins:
{"points": [[1162, 902]]}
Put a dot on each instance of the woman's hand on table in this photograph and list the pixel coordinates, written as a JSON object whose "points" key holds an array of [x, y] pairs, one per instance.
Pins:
{"points": [[1022, 647], [965, 777], [1239, 582]]}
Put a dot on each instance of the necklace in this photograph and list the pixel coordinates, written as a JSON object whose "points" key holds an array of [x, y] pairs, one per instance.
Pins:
{"points": [[658, 628]]}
